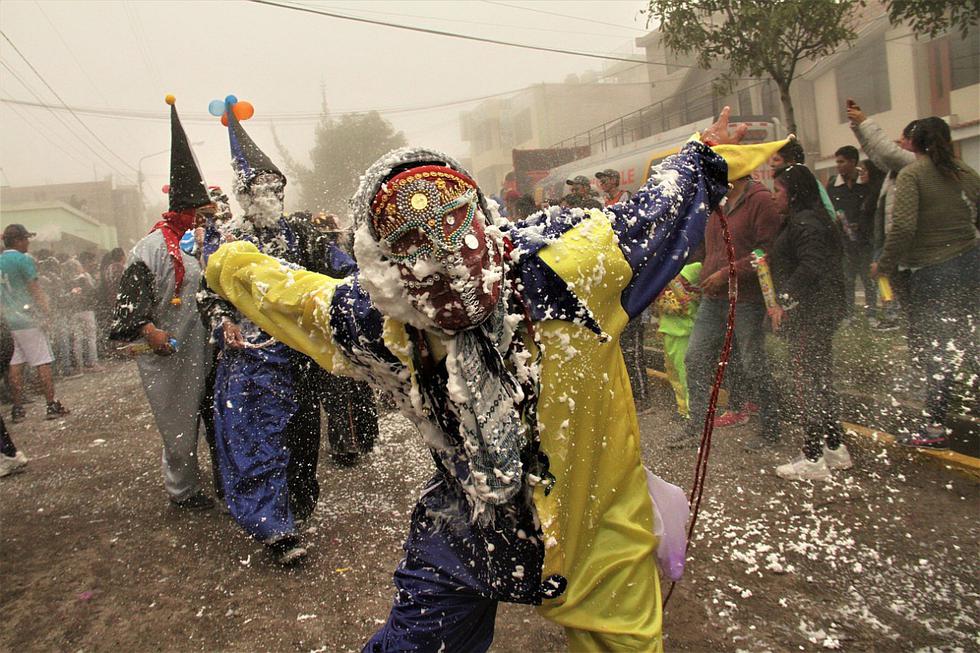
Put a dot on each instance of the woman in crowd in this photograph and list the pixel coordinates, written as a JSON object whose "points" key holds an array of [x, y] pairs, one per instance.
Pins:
{"points": [[933, 237], [807, 265]]}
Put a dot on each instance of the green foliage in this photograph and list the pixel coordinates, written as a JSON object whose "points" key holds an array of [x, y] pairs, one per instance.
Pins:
{"points": [[756, 37], [933, 17], [343, 149]]}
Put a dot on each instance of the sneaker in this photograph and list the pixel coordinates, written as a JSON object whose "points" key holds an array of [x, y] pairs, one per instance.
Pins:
{"points": [[12, 464], [838, 458], [287, 550], [195, 503], [731, 418], [930, 437], [683, 441], [56, 410], [18, 414], [804, 469]]}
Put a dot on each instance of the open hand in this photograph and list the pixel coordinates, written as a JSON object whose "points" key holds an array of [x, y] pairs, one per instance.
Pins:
{"points": [[720, 133]]}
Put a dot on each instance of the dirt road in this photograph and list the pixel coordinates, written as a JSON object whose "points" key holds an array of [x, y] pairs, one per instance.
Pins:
{"points": [[92, 557]]}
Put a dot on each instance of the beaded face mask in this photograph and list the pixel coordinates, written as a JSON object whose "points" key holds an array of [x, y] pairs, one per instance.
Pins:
{"points": [[428, 223]]}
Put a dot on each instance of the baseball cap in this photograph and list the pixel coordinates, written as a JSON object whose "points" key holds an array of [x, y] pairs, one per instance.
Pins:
{"points": [[15, 231], [608, 172], [580, 179]]}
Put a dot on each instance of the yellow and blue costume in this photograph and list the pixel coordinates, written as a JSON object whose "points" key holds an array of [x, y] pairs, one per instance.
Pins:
{"points": [[580, 540]]}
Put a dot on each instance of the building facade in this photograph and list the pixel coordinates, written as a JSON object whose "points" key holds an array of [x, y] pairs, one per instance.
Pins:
{"points": [[117, 207]]}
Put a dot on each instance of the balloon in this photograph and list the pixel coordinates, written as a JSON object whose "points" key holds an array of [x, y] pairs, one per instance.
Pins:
{"points": [[224, 119], [231, 99], [243, 110], [216, 108]]}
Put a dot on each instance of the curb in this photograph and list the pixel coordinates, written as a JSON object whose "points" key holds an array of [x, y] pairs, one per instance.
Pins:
{"points": [[951, 459]]}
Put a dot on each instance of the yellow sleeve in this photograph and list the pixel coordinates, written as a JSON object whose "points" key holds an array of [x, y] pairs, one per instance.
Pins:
{"points": [[291, 305]]}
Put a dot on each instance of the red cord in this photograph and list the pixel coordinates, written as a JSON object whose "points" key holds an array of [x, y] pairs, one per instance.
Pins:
{"points": [[701, 467]]}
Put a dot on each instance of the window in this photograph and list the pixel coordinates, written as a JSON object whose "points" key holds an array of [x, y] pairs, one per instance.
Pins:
{"points": [[864, 77], [964, 59]]}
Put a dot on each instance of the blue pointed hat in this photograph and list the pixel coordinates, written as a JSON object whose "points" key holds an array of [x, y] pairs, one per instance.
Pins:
{"points": [[247, 159]]}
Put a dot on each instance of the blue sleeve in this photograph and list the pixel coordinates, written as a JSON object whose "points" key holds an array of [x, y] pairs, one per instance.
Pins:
{"points": [[340, 265], [664, 221]]}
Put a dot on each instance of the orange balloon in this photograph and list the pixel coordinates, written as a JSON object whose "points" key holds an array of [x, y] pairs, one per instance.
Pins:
{"points": [[243, 110], [224, 119]]}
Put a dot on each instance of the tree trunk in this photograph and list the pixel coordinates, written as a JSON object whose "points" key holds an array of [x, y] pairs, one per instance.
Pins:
{"points": [[788, 113]]}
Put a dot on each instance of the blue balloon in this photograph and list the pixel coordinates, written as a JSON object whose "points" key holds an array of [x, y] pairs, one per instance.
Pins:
{"points": [[187, 242], [231, 99], [216, 108]]}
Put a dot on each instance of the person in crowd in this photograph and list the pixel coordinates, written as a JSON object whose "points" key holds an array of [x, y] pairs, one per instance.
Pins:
{"points": [[791, 153], [753, 223], [847, 194], [82, 299], [52, 283], [581, 195], [933, 236], [524, 207], [350, 406], [27, 312], [11, 458], [872, 177], [677, 306], [267, 416], [807, 259], [111, 269], [156, 302], [492, 337], [609, 183], [890, 156]]}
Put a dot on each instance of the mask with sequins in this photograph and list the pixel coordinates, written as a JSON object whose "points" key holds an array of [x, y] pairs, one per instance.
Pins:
{"points": [[429, 223]]}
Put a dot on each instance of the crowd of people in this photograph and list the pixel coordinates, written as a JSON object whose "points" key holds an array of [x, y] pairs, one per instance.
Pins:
{"points": [[491, 335], [816, 240]]}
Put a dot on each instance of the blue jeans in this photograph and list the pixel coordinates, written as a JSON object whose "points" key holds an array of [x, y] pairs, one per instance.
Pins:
{"points": [[704, 348], [944, 311]]}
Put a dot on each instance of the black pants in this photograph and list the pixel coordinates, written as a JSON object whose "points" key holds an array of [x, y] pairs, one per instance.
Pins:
{"points": [[812, 360], [631, 342], [352, 414], [207, 416], [302, 436]]}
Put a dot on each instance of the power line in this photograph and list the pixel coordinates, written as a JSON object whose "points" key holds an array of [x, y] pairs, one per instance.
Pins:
{"points": [[37, 128], [465, 37], [133, 114], [65, 104], [555, 13], [481, 23], [51, 109], [74, 57]]}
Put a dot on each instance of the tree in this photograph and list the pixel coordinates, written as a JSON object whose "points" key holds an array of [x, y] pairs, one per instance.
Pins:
{"points": [[933, 17], [756, 37], [343, 148]]}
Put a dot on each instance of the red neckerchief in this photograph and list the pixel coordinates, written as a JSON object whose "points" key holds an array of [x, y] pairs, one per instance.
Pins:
{"points": [[173, 226]]}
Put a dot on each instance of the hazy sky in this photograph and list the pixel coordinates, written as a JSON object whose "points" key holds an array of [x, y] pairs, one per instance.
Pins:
{"points": [[124, 56]]}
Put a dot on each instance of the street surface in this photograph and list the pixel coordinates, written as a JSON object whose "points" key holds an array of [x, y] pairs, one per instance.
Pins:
{"points": [[93, 557]]}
